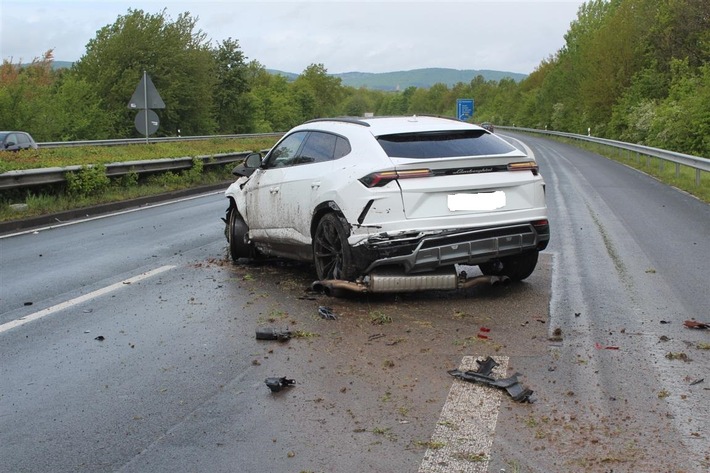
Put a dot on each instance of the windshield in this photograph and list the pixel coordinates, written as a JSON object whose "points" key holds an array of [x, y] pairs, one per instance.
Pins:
{"points": [[443, 144]]}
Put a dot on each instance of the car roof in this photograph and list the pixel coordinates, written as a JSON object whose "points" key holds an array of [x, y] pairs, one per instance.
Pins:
{"points": [[379, 126]]}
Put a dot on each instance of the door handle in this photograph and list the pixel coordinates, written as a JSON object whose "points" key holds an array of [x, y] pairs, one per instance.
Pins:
{"points": [[274, 190], [315, 185]]}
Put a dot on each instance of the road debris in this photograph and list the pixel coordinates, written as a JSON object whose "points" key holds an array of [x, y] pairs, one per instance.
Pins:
{"points": [[100, 338], [678, 356], [482, 375], [599, 346], [276, 384], [697, 381], [696, 324], [270, 333], [326, 313]]}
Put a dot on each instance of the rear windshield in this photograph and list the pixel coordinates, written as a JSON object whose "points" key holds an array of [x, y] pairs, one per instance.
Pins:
{"points": [[443, 144]]}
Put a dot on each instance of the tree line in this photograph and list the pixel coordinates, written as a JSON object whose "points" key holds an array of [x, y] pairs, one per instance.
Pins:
{"points": [[632, 70]]}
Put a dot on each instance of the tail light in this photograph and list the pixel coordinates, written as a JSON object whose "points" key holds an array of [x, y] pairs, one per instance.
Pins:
{"points": [[524, 166], [382, 178]]}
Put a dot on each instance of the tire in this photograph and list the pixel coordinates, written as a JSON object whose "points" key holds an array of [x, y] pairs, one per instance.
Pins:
{"points": [[332, 254], [517, 267], [237, 231]]}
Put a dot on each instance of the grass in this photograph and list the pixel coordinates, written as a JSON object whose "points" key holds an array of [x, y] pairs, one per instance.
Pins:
{"points": [[86, 155], [56, 198]]}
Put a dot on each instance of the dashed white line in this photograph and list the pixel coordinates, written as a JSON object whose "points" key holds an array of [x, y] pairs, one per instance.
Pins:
{"points": [[86, 297], [463, 437]]}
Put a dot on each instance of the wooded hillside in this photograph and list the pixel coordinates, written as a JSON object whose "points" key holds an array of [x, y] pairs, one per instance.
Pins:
{"points": [[633, 70]]}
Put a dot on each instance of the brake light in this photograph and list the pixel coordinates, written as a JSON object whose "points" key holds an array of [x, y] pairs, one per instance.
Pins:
{"points": [[524, 166], [382, 178]]}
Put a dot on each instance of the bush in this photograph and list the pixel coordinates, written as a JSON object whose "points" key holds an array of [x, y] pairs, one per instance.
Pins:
{"points": [[88, 181]]}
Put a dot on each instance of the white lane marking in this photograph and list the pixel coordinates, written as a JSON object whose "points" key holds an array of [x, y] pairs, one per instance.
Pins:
{"points": [[463, 437], [99, 217], [86, 297]]}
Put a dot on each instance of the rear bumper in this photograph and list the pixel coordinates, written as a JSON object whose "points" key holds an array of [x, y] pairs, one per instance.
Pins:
{"points": [[419, 253]]}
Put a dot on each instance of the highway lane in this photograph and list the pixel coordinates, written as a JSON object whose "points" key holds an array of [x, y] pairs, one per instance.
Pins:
{"points": [[631, 258], [177, 382], [52, 264]]}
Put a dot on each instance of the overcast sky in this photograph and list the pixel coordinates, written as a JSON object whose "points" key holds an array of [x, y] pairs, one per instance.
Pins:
{"points": [[344, 36]]}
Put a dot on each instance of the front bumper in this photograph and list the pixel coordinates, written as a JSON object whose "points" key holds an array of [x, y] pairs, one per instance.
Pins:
{"points": [[418, 253]]}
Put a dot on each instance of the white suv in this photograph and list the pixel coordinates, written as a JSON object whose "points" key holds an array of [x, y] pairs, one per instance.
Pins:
{"points": [[406, 197]]}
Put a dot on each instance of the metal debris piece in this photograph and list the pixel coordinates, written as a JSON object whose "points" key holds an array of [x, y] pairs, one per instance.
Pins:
{"points": [[269, 333], [275, 384], [100, 338], [326, 313], [696, 324], [517, 391], [697, 381]]}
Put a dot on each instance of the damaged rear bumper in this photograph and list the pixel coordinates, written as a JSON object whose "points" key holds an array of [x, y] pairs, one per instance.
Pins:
{"points": [[420, 253]]}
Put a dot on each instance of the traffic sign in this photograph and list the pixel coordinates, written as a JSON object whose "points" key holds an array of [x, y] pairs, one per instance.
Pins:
{"points": [[464, 109]]}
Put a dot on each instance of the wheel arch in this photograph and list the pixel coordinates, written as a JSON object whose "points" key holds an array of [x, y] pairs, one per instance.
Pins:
{"points": [[325, 208]]}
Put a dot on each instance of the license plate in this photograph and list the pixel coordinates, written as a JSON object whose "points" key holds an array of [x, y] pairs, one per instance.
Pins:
{"points": [[479, 201]]}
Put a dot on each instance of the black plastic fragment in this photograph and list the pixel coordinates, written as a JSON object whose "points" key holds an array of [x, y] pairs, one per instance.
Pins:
{"points": [[270, 333], [515, 389], [275, 384], [326, 313]]}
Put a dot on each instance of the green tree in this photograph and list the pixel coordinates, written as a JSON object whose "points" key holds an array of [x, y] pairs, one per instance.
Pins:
{"points": [[175, 55], [233, 103], [317, 93]]}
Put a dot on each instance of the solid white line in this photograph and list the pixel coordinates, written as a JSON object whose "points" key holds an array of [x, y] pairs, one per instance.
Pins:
{"points": [[78, 300], [463, 437]]}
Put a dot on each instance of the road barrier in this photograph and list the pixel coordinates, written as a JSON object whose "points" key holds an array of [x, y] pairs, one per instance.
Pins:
{"points": [[679, 159]]}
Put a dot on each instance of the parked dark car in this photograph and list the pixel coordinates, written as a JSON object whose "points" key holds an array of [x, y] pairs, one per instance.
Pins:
{"points": [[16, 140]]}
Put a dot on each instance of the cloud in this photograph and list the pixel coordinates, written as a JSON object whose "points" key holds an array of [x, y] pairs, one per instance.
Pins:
{"points": [[366, 36]]}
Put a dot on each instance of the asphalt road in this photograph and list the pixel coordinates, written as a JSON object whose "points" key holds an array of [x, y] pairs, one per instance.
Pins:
{"points": [[127, 344]]}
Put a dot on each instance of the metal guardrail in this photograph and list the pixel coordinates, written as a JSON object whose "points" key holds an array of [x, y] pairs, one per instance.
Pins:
{"points": [[679, 159], [142, 141], [43, 176]]}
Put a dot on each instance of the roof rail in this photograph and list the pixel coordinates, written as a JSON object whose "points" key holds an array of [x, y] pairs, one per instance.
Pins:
{"points": [[353, 120]]}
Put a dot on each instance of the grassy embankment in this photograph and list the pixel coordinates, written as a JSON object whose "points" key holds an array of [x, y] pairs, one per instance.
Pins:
{"points": [[90, 186]]}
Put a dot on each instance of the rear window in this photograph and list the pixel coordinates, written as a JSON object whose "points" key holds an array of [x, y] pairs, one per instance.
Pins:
{"points": [[443, 144]]}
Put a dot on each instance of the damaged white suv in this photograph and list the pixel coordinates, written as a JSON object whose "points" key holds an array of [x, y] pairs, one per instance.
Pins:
{"points": [[391, 203]]}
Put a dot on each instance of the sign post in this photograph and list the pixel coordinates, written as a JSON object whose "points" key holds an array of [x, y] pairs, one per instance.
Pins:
{"points": [[146, 98], [464, 109]]}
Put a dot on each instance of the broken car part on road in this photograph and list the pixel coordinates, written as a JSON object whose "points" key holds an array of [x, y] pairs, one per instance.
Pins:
{"points": [[482, 375], [388, 282], [270, 333], [276, 384]]}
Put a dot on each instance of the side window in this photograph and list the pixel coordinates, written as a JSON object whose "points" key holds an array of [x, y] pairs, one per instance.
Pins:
{"points": [[11, 139], [342, 148], [285, 152], [319, 147], [22, 139]]}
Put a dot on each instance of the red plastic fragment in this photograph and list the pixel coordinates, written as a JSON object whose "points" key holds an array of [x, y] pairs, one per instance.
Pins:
{"points": [[696, 324], [599, 346]]}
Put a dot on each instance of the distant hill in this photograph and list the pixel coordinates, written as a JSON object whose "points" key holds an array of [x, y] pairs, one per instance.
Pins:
{"points": [[423, 78]]}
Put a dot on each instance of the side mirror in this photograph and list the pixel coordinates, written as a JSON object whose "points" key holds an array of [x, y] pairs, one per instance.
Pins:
{"points": [[248, 166]]}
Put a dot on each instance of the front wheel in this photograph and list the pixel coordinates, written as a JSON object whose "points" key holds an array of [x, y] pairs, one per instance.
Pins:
{"points": [[517, 267], [332, 255], [237, 231]]}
